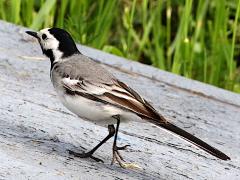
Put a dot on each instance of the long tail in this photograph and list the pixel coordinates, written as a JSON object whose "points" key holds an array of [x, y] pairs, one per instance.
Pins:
{"points": [[190, 138]]}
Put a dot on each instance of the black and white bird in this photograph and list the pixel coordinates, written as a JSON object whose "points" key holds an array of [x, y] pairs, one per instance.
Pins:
{"points": [[94, 94]]}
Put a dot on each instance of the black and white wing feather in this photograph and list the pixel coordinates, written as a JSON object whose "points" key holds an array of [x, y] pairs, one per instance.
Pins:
{"points": [[114, 94]]}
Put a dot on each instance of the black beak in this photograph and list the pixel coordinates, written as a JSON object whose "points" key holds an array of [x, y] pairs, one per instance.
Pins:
{"points": [[34, 34]]}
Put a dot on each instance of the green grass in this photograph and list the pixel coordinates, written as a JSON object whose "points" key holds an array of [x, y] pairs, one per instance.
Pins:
{"points": [[196, 39]]}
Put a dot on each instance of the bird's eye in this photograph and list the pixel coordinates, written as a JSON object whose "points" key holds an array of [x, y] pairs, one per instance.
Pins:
{"points": [[44, 36]]}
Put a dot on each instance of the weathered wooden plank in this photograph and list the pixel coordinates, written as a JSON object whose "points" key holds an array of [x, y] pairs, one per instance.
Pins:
{"points": [[36, 130]]}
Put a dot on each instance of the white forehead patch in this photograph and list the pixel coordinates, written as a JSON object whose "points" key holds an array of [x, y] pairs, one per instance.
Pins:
{"points": [[50, 43]]}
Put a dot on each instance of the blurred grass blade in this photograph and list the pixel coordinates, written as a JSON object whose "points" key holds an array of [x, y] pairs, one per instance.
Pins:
{"points": [[15, 10], [2, 10], [112, 50], [232, 65], [42, 14], [182, 35], [27, 11], [61, 13]]}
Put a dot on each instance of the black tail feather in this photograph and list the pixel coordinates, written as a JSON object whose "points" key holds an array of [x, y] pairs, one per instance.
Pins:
{"points": [[190, 138]]}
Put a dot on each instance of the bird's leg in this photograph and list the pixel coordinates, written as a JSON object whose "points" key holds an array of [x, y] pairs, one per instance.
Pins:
{"points": [[116, 155], [89, 154]]}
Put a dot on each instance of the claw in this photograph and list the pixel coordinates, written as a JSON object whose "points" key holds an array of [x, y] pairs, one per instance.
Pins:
{"points": [[85, 155], [131, 166], [117, 157], [122, 147]]}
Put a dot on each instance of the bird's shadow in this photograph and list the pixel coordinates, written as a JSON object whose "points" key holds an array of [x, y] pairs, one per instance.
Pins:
{"points": [[33, 138]]}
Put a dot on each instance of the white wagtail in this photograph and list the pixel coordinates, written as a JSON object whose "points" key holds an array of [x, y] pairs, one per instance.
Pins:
{"points": [[91, 92]]}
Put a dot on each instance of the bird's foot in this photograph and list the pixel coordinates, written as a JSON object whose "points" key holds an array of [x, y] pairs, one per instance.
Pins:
{"points": [[118, 158], [121, 147], [84, 155]]}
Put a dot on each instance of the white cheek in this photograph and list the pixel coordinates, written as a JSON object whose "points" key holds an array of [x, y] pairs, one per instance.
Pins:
{"points": [[51, 44]]}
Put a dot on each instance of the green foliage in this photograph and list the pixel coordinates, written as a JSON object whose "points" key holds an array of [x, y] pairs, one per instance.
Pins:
{"points": [[196, 39]]}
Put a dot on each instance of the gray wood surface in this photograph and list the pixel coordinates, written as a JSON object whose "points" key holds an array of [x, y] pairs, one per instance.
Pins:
{"points": [[36, 130]]}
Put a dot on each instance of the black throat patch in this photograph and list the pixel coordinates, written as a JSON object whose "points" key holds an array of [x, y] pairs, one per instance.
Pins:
{"points": [[49, 53]]}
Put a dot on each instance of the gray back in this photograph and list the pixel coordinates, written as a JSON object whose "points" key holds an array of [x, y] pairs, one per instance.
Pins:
{"points": [[81, 67]]}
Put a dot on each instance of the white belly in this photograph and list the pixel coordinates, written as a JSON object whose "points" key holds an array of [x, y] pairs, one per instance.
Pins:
{"points": [[96, 112]]}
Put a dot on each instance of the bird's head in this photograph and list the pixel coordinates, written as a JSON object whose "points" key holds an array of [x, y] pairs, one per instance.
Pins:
{"points": [[56, 43]]}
